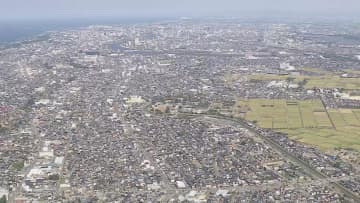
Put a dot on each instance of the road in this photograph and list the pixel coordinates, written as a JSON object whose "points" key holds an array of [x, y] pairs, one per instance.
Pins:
{"points": [[305, 166]]}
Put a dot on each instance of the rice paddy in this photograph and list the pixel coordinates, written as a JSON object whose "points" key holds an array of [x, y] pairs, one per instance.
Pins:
{"points": [[305, 121]]}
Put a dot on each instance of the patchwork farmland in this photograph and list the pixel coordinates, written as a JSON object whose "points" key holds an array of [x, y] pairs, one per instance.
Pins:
{"points": [[306, 121]]}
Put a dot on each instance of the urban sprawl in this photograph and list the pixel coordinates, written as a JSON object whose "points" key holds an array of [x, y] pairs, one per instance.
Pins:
{"points": [[185, 111]]}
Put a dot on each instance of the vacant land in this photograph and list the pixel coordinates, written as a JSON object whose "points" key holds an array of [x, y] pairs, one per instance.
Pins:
{"points": [[306, 121]]}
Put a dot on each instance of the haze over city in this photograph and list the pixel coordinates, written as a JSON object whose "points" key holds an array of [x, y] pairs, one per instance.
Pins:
{"points": [[187, 101], [45, 9]]}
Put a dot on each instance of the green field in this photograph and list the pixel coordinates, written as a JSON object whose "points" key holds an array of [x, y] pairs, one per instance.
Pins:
{"points": [[333, 82], [269, 77], [305, 121], [324, 81], [282, 114]]}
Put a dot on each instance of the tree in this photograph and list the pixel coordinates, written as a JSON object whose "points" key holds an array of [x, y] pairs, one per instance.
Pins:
{"points": [[290, 79], [19, 165], [54, 177], [3, 199]]}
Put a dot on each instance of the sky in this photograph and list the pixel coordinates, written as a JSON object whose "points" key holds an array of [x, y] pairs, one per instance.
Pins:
{"points": [[59, 9]]}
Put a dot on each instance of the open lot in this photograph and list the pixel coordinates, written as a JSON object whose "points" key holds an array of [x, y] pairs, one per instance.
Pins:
{"points": [[305, 121]]}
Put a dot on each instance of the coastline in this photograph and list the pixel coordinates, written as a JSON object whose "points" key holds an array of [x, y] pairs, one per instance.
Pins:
{"points": [[32, 30]]}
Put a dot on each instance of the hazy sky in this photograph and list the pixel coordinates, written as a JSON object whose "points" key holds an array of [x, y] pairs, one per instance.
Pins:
{"points": [[26, 9]]}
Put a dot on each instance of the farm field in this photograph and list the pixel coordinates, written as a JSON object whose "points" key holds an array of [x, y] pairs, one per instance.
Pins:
{"points": [[333, 82], [324, 81], [305, 121]]}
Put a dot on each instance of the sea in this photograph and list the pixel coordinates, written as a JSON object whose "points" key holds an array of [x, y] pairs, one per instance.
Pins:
{"points": [[13, 31]]}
